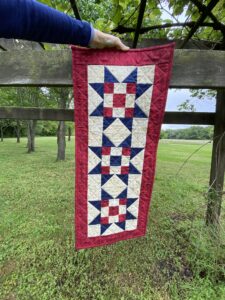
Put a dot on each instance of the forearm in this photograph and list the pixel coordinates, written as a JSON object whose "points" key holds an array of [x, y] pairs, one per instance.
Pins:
{"points": [[31, 20]]}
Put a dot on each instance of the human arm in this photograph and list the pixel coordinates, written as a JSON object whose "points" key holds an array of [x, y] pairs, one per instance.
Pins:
{"points": [[34, 21]]}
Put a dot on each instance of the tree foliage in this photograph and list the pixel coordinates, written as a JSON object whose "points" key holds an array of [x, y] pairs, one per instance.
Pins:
{"points": [[191, 133]]}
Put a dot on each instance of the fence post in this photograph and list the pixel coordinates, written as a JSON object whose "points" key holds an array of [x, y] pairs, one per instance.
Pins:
{"points": [[217, 163]]}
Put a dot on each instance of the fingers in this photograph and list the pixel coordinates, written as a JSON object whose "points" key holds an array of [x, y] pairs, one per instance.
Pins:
{"points": [[104, 40], [120, 46]]}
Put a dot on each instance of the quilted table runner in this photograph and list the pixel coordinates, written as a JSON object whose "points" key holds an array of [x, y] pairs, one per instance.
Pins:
{"points": [[119, 106]]}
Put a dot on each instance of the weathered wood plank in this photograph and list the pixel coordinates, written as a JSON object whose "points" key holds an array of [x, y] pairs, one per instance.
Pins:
{"points": [[216, 182], [191, 68], [68, 115]]}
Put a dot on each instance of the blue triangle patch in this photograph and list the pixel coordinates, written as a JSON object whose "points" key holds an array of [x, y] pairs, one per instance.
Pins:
{"points": [[97, 151], [105, 195], [96, 220], [104, 227], [106, 141], [96, 204], [138, 113], [126, 142], [135, 151], [121, 225], [123, 194], [99, 88], [130, 201], [141, 88], [132, 77], [129, 216], [127, 122], [97, 169], [105, 178], [133, 170], [98, 111], [109, 77], [123, 177], [107, 122]]}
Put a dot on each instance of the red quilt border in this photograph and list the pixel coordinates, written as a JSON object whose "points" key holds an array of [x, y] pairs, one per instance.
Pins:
{"points": [[162, 58]]}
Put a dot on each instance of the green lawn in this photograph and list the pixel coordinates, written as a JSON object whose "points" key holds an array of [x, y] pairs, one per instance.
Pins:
{"points": [[178, 259]]}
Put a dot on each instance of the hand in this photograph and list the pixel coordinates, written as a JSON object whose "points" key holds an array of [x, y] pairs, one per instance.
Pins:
{"points": [[103, 40]]}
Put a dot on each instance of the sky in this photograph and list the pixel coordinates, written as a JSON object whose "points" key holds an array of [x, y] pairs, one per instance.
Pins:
{"points": [[177, 96]]}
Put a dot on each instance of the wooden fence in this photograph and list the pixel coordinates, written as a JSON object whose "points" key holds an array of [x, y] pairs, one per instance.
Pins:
{"points": [[191, 69]]}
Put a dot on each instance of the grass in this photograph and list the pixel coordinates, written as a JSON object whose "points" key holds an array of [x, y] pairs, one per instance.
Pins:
{"points": [[178, 259]]}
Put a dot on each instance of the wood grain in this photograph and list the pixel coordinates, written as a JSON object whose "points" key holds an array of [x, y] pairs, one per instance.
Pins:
{"points": [[68, 115], [191, 68]]}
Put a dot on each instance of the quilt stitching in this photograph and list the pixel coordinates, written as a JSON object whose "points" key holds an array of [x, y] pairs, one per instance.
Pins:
{"points": [[119, 107]]}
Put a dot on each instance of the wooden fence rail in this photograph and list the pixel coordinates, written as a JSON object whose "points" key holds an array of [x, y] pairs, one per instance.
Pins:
{"points": [[191, 68], [51, 114]]}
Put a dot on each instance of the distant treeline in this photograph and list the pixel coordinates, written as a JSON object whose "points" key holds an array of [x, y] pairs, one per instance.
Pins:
{"points": [[43, 128], [191, 133]]}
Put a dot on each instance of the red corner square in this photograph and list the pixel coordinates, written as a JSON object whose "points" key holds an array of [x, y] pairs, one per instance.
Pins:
{"points": [[113, 210], [119, 100], [131, 88], [104, 220], [123, 201], [108, 88], [104, 203], [124, 170], [126, 151], [129, 112], [105, 170], [106, 150], [122, 218], [107, 112]]}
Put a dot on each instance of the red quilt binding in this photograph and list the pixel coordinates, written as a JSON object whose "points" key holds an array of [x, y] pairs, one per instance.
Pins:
{"points": [[161, 57]]}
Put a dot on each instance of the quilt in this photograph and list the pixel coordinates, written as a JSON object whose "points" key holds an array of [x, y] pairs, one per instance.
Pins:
{"points": [[120, 100]]}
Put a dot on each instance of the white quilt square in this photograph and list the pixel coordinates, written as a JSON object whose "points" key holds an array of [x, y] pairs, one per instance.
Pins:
{"points": [[94, 186], [104, 212], [146, 74], [95, 74], [120, 88], [117, 151], [130, 100], [125, 161], [106, 160], [95, 125], [118, 112], [108, 100], [113, 219], [94, 230]]}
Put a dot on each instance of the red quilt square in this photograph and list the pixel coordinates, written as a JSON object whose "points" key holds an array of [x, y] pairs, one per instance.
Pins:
{"points": [[131, 88], [123, 201], [113, 210], [105, 170], [106, 150], [108, 88], [129, 112], [119, 100], [122, 218], [104, 220], [107, 112], [104, 203], [126, 151], [124, 170]]}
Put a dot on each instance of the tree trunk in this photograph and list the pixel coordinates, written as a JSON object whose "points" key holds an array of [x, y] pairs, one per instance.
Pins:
{"points": [[31, 126], [69, 134], [1, 132], [217, 164], [61, 141], [61, 132], [18, 131]]}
